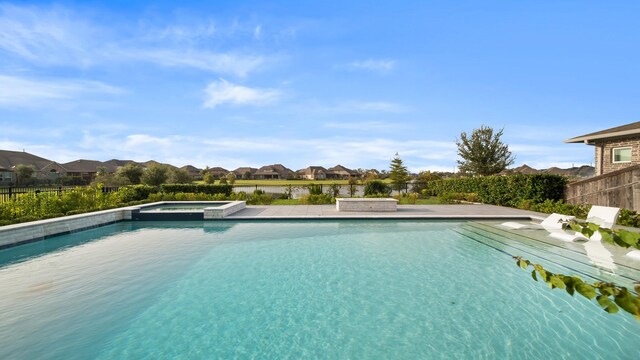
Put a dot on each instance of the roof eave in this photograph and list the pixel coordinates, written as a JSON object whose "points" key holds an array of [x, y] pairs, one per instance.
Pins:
{"points": [[589, 139]]}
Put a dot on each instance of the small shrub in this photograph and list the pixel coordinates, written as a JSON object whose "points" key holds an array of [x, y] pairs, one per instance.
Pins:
{"points": [[448, 198], [314, 189], [376, 187], [629, 218], [260, 198], [412, 198], [471, 197], [27, 218], [320, 199]]}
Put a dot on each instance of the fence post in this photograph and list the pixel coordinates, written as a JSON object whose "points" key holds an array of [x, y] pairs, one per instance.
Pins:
{"points": [[10, 188]]}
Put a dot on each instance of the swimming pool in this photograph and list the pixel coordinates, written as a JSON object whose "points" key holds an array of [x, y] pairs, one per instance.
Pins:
{"points": [[292, 289]]}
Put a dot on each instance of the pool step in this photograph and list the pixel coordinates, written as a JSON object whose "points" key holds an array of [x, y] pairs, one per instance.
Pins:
{"points": [[534, 246]]}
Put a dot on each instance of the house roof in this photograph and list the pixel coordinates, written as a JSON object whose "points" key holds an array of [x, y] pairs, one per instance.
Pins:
{"points": [[614, 132], [275, 168], [191, 169], [83, 165], [312, 170], [153, 162], [244, 169], [340, 168], [218, 169], [113, 164], [9, 159]]}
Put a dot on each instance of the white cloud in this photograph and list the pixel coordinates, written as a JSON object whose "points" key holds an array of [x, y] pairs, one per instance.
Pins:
{"points": [[223, 92], [377, 106], [57, 36], [47, 36], [355, 107], [16, 91], [364, 125], [257, 32], [379, 66], [237, 65]]}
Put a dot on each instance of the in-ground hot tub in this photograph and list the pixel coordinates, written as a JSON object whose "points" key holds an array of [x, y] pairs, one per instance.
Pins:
{"points": [[184, 210]]}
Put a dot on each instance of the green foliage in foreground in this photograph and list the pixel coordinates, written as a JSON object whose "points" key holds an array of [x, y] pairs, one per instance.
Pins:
{"points": [[609, 296], [34, 206]]}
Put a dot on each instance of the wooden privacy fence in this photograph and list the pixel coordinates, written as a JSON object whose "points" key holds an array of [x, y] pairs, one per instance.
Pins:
{"points": [[620, 188]]}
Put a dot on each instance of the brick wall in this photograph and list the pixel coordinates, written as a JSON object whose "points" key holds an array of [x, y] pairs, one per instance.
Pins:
{"points": [[604, 154]]}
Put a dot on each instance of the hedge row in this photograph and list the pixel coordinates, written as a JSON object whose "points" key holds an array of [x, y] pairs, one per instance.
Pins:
{"points": [[504, 190], [209, 189]]}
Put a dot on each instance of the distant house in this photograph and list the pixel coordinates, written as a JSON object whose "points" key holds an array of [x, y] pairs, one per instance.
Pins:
{"points": [[275, 171], [193, 171], [46, 169], [146, 164], [244, 173], [218, 172], [341, 172], [313, 173], [113, 164], [6, 176], [83, 170], [615, 148]]}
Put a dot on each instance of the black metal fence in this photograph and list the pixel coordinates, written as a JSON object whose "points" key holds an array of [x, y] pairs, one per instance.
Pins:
{"points": [[289, 191], [9, 192]]}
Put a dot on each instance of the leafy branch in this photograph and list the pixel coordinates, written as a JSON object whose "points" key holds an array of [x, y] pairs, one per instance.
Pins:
{"points": [[609, 296], [620, 237]]}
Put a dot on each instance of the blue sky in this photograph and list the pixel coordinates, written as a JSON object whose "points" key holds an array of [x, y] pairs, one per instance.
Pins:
{"points": [[233, 83]]}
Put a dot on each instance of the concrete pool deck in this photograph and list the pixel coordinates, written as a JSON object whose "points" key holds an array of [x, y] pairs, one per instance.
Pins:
{"points": [[458, 211]]}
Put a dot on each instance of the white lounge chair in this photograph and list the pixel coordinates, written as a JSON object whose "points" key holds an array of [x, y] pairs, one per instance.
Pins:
{"points": [[553, 221], [635, 254], [603, 216], [599, 255]]}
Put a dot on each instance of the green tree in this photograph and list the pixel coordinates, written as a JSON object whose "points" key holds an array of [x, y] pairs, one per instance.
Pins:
{"points": [[155, 175], [231, 178], [399, 174], [482, 152], [423, 179], [24, 173], [223, 180], [180, 176], [131, 171], [208, 178]]}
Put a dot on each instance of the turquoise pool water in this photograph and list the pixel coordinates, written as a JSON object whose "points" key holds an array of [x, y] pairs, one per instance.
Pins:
{"points": [[325, 289], [182, 207]]}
